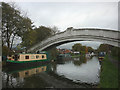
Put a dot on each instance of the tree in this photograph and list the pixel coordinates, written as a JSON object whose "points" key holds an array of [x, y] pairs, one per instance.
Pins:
{"points": [[90, 49], [53, 53], [55, 30], [6, 50], [43, 33], [13, 24], [81, 49], [77, 47], [36, 35], [103, 48], [29, 38], [115, 52]]}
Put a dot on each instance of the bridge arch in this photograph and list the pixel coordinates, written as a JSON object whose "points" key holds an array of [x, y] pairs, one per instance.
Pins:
{"points": [[85, 34]]}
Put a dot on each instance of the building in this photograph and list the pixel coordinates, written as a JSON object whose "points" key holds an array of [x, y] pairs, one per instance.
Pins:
{"points": [[64, 51]]}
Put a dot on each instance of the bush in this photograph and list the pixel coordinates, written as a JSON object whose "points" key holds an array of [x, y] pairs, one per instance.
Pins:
{"points": [[6, 51]]}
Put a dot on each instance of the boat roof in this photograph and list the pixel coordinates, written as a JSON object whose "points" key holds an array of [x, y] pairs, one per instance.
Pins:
{"points": [[34, 53]]}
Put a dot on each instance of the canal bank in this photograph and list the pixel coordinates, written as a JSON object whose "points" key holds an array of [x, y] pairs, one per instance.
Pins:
{"points": [[109, 74]]}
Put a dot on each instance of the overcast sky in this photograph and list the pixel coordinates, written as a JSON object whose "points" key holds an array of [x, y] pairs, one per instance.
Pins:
{"points": [[73, 14], [77, 15], [92, 44]]}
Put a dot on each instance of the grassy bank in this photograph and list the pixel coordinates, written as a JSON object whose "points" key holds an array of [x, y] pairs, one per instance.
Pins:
{"points": [[109, 75], [116, 57]]}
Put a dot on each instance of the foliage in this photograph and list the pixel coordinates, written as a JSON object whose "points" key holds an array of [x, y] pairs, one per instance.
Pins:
{"points": [[43, 33], [55, 30], [90, 49], [6, 51], [17, 25], [29, 38], [53, 53], [82, 52], [76, 47], [81, 49], [104, 48], [14, 24], [115, 52], [35, 36], [107, 48]]}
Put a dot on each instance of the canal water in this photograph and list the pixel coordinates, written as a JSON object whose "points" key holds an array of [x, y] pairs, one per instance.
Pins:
{"points": [[78, 72]]}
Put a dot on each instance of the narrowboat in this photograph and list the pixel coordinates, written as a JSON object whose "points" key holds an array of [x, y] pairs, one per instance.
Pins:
{"points": [[101, 55], [27, 59]]}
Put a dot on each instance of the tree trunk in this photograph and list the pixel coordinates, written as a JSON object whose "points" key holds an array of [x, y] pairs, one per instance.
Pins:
{"points": [[12, 42], [8, 39]]}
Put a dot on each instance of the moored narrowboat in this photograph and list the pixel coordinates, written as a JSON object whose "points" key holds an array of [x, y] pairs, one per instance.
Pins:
{"points": [[27, 59], [101, 55]]}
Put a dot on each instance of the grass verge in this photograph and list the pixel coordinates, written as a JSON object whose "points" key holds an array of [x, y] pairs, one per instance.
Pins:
{"points": [[108, 75]]}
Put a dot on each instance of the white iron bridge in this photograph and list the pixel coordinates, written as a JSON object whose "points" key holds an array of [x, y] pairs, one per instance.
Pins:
{"points": [[111, 37]]}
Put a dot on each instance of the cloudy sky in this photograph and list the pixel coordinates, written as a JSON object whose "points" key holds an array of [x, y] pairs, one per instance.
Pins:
{"points": [[92, 44], [73, 14]]}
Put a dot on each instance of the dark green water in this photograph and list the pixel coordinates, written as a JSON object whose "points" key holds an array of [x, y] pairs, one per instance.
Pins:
{"points": [[80, 72]]}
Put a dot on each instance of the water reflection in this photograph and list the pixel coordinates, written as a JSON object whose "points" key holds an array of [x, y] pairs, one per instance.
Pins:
{"points": [[24, 77], [79, 60], [27, 73], [80, 70]]}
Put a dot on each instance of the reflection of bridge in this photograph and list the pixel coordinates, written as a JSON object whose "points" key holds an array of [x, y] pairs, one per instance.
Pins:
{"points": [[85, 34]]}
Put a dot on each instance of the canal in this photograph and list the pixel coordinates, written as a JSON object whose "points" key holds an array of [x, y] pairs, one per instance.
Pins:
{"points": [[78, 72]]}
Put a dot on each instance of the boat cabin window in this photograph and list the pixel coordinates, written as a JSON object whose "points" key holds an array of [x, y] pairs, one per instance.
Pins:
{"points": [[32, 57], [16, 57], [37, 56], [43, 56], [42, 68], [26, 73], [26, 57], [13, 57]]}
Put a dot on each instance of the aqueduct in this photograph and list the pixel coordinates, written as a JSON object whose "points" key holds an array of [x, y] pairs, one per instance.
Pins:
{"points": [[84, 34]]}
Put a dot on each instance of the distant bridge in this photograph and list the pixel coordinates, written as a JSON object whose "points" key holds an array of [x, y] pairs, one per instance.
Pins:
{"points": [[106, 36]]}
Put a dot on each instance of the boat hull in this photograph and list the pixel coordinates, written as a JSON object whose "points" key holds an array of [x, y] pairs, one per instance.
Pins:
{"points": [[24, 64]]}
